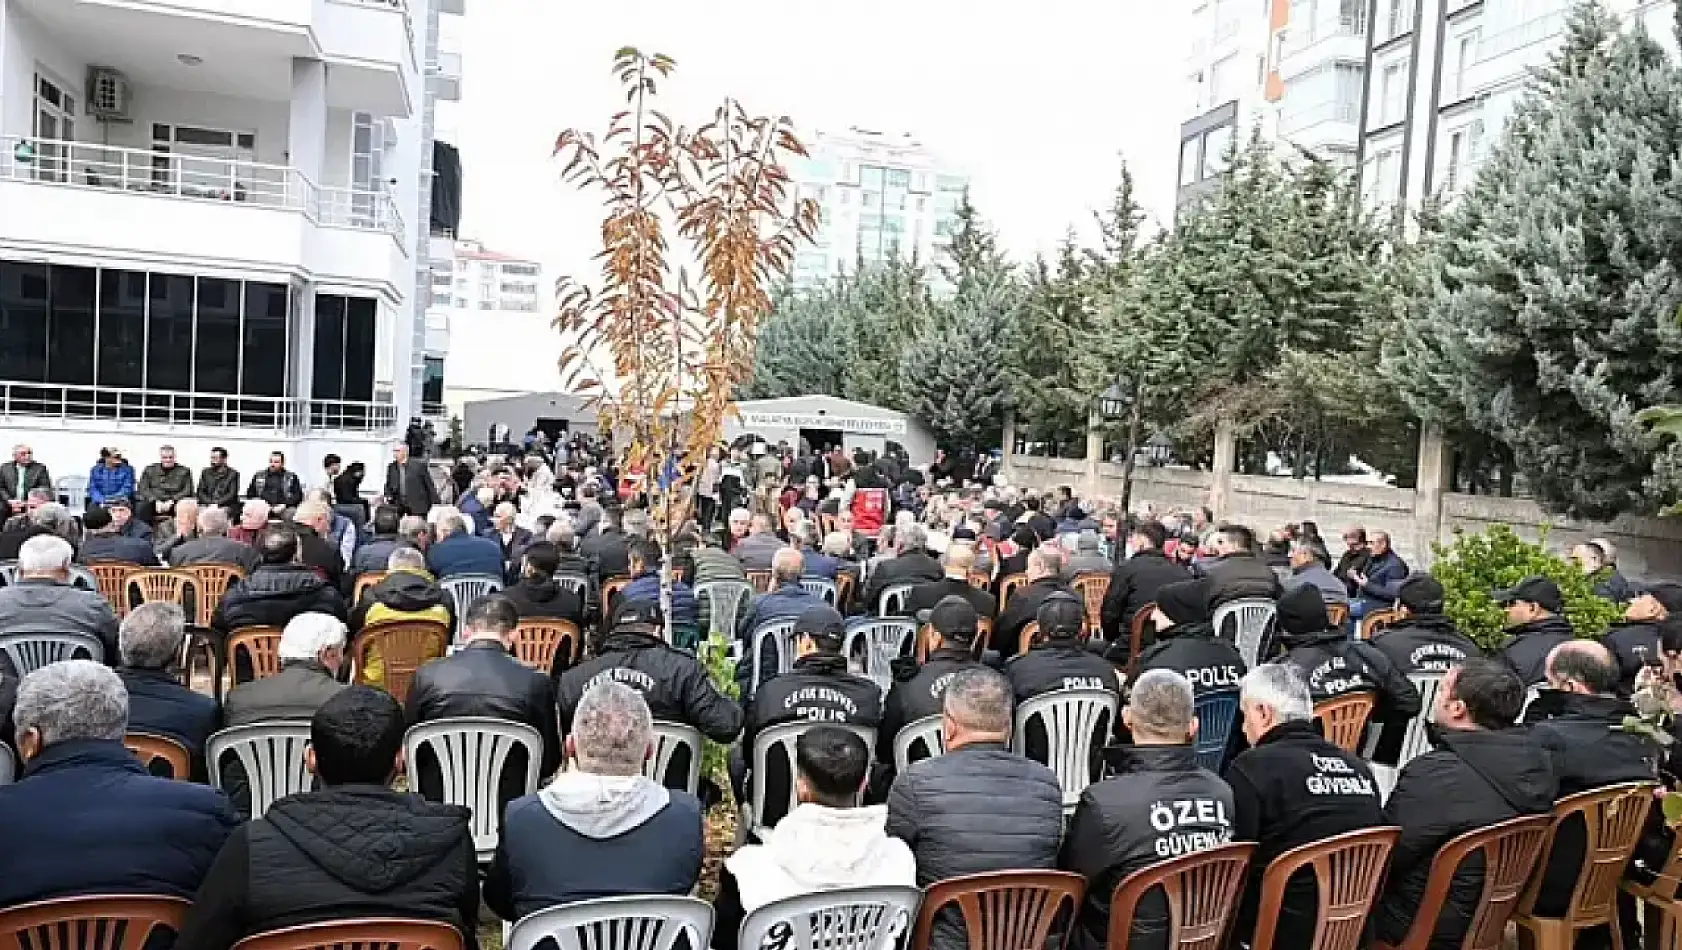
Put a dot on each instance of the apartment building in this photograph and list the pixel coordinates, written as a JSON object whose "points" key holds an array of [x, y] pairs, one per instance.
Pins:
{"points": [[215, 223], [491, 333], [1224, 91]]}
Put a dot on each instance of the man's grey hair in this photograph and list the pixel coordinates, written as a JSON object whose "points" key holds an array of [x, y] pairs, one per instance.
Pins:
{"points": [[486, 495], [256, 507], [150, 637], [506, 509], [44, 554], [52, 516], [413, 526], [562, 536], [912, 537], [1049, 558], [635, 523], [612, 729], [787, 565], [72, 699], [838, 544], [740, 514], [42, 495], [451, 522], [405, 559], [1282, 687], [1162, 703], [213, 522], [806, 533], [979, 699], [306, 635]]}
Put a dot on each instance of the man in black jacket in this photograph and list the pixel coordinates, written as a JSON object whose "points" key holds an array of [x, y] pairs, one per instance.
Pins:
{"points": [[979, 807], [1238, 574], [483, 679], [314, 523], [1426, 641], [912, 564], [537, 594], [103, 542], [278, 590], [275, 485], [674, 683], [1186, 643], [1057, 659], [1335, 665], [609, 553], [1354, 559], [1292, 788], [1536, 624], [149, 643], [408, 483], [918, 691], [1158, 805], [1634, 640], [371, 555], [219, 485], [1135, 581], [959, 560], [354, 848], [1482, 771], [1045, 577]]}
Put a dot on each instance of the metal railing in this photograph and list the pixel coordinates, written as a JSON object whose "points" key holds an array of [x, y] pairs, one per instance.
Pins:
{"points": [[358, 208], [20, 401], [88, 165], [1535, 30], [1293, 121]]}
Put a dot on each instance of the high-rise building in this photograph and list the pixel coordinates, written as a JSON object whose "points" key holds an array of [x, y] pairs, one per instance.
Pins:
{"points": [[882, 196], [1224, 93], [215, 224], [1318, 71], [1443, 78], [492, 333]]}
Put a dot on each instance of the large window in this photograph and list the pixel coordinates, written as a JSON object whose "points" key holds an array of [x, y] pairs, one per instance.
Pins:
{"points": [[432, 380], [264, 333], [23, 321], [169, 332], [344, 348], [122, 329], [70, 326]]}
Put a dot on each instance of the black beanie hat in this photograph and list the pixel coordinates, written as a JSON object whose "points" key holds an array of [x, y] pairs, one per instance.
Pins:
{"points": [[1184, 601], [1303, 610]]}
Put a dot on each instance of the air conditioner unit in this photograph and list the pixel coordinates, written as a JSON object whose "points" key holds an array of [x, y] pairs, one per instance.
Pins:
{"points": [[110, 97]]}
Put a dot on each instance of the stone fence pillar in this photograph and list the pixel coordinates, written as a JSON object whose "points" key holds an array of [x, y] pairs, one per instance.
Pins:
{"points": [[1435, 471], [1226, 458]]}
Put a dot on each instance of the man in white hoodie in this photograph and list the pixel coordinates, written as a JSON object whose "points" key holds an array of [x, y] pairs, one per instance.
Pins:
{"points": [[827, 842], [600, 829]]}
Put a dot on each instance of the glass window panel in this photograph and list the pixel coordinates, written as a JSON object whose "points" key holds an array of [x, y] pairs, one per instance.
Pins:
{"points": [[169, 332], [70, 326], [23, 321], [216, 351], [263, 372], [432, 380], [360, 321], [870, 176], [122, 328], [329, 380]]}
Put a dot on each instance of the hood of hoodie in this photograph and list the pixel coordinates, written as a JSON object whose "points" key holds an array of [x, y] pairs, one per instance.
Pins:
{"points": [[603, 806], [1509, 760], [372, 839], [823, 848], [1302, 617], [1555, 624], [281, 580], [539, 591], [409, 591]]}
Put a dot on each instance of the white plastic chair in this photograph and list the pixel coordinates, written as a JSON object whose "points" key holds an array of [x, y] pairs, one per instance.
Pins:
{"points": [[272, 754], [83, 579], [780, 633], [8, 766], [927, 731], [668, 738], [823, 587], [465, 589], [8, 573], [893, 599], [31, 651], [1071, 718], [1253, 618], [724, 601], [72, 491], [885, 640], [471, 751], [848, 918], [1415, 741], [576, 583], [1530, 695], [783, 738], [617, 923]]}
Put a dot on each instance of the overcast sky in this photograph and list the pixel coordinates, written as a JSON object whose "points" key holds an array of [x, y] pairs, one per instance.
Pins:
{"points": [[1038, 102]]}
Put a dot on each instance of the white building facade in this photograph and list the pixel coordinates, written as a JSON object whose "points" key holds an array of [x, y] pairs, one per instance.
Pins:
{"points": [[1224, 91], [497, 338], [882, 196], [214, 224]]}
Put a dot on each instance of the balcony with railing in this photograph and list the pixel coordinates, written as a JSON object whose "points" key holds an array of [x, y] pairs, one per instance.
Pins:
{"points": [[34, 404]]}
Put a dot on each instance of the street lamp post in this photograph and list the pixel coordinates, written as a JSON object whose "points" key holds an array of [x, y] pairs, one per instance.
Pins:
{"points": [[1122, 401]]}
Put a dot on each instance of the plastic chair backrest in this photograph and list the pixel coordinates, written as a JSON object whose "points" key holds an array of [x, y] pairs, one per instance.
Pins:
{"points": [[537, 640], [610, 589], [8, 573], [1348, 870], [847, 918], [261, 645], [168, 586], [1092, 587], [73, 490], [464, 589], [845, 581], [780, 633], [1073, 720], [823, 587], [211, 582], [8, 765], [404, 645], [668, 738], [1008, 586], [1251, 620], [1202, 890], [925, 733], [1511, 850], [1136, 630], [385, 934], [1337, 613], [577, 583], [272, 754], [149, 748], [471, 751], [760, 581], [1613, 817], [980, 580], [1343, 719], [884, 640], [617, 923], [31, 651], [90, 923], [1530, 695], [1377, 620], [782, 737], [1416, 741], [365, 581], [82, 579], [1217, 716], [721, 604], [111, 580], [1001, 910], [894, 598]]}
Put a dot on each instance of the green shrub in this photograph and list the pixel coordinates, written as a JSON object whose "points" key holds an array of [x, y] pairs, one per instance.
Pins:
{"points": [[1476, 565], [714, 653]]}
